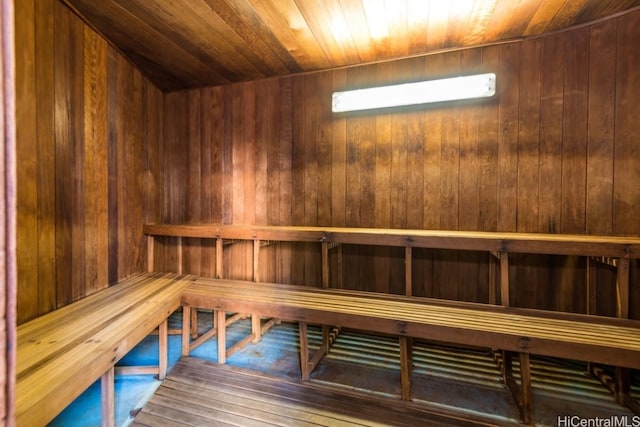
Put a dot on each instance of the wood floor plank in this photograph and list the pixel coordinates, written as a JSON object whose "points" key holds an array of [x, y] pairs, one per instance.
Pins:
{"points": [[198, 391], [149, 420], [278, 410]]}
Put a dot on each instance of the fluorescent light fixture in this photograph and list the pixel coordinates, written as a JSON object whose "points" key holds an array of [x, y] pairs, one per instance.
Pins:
{"points": [[466, 87]]}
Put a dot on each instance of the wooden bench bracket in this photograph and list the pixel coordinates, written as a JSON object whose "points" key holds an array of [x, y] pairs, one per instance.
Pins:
{"points": [[523, 393], [618, 386], [328, 338]]}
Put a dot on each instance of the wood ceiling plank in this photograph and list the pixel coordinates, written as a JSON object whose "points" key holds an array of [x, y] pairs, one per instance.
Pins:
{"points": [[290, 28], [278, 58], [340, 29], [397, 22], [417, 18], [319, 21], [253, 19], [510, 19], [356, 20], [542, 18], [566, 16], [597, 10], [478, 22], [181, 44], [184, 21], [457, 21], [174, 68], [437, 25], [237, 44]]}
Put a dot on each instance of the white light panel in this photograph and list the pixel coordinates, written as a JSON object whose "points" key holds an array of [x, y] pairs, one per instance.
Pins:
{"points": [[466, 87]]}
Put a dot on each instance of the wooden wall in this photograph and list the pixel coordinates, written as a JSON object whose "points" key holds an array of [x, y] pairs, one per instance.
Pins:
{"points": [[88, 132], [555, 151]]}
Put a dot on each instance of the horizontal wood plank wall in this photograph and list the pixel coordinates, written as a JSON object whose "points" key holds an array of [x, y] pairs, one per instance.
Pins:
{"points": [[88, 126], [554, 151]]}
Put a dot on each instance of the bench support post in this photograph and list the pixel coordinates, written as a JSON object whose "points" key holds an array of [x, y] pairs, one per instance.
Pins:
{"points": [[618, 386], [221, 320], [406, 366], [523, 394], [107, 386], [256, 328], [307, 365], [163, 349], [186, 338]]}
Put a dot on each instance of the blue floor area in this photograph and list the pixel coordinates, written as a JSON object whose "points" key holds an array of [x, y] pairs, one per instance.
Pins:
{"points": [[133, 391], [462, 380]]}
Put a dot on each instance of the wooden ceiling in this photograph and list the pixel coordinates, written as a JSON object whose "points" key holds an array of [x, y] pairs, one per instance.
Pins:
{"points": [[190, 43]]}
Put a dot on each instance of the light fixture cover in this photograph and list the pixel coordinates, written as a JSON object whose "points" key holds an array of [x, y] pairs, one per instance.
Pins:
{"points": [[465, 87]]}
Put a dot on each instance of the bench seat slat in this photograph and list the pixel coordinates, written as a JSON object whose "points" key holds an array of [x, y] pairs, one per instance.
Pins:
{"points": [[581, 337], [47, 383], [37, 345]]}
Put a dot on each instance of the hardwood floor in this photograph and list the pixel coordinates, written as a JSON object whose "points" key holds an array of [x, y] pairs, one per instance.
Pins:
{"points": [[202, 393]]}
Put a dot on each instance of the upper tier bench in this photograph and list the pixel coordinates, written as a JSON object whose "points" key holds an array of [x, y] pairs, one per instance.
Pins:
{"points": [[60, 354], [615, 251]]}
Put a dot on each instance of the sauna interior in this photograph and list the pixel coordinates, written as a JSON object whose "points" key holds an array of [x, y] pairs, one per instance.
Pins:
{"points": [[217, 115]]}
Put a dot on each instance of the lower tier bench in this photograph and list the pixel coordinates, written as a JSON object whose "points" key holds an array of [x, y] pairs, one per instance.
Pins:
{"points": [[60, 354], [602, 340]]}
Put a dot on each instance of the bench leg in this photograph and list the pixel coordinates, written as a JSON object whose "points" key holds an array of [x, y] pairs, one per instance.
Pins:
{"points": [[186, 327], [523, 394], [525, 388], [256, 328], [194, 323], [163, 349], [107, 385], [304, 351], [222, 336], [406, 356]]}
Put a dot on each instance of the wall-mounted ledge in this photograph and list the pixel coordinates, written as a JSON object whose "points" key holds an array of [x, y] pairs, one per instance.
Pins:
{"points": [[534, 243]]}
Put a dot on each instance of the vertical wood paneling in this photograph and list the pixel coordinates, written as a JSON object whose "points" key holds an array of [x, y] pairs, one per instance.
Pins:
{"points": [[338, 157], [85, 139], [65, 110], [488, 151], [26, 138], [574, 123], [44, 12], [528, 152], [472, 271], [522, 161], [508, 91], [554, 151], [626, 196], [450, 152], [551, 134], [96, 165], [601, 109]]}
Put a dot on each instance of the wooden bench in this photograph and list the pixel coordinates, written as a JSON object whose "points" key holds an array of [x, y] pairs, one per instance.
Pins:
{"points": [[604, 340], [60, 354], [612, 252]]}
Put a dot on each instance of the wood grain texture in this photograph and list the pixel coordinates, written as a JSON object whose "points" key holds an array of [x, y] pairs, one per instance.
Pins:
{"points": [[88, 125], [193, 43], [539, 157], [8, 210]]}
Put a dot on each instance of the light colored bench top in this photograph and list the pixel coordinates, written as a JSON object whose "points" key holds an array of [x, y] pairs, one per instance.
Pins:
{"points": [[573, 336], [60, 354], [537, 243]]}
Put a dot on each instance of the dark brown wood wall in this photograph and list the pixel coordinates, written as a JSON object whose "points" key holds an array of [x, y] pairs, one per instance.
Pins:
{"points": [[555, 151], [88, 132]]}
